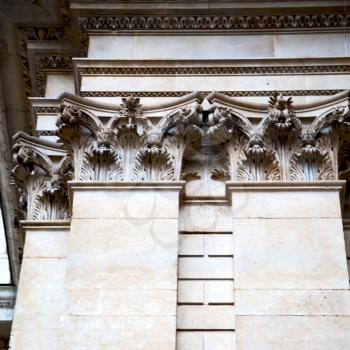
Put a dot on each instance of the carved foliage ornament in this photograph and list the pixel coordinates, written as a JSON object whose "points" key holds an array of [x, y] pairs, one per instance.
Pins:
{"points": [[280, 147], [42, 185], [129, 147], [293, 21]]}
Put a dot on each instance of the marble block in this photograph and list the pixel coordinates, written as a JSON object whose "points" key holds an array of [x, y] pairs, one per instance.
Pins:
{"points": [[292, 333], [290, 254]]}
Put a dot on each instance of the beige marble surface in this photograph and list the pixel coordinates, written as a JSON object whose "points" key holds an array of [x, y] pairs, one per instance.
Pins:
{"points": [[321, 302], [121, 282], [315, 249], [40, 295], [223, 340], [292, 333], [210, 317], [216, 46]]}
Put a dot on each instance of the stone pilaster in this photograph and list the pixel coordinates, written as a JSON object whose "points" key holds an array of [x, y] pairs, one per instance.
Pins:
{"points": [[39, 302], [121, 282], [290, 272]]}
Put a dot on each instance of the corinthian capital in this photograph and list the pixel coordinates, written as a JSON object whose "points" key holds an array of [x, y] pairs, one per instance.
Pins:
{"points": [[277, 142], [128, 146], [42, 183]]}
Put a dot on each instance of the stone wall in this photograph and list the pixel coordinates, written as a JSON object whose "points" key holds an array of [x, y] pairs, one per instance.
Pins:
{"points": [[186, 187]]}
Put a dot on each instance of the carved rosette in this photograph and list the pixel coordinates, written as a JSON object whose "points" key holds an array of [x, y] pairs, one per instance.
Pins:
{"points": [[42, 184]]}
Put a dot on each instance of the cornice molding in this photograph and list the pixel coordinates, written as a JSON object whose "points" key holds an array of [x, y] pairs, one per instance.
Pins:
{"points": [[51, 64], [37, 33], [289, 186], [227, 100]]}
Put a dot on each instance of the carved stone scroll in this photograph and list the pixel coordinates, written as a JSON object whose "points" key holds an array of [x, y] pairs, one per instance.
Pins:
{"points": [[280, 147], [129, 147], [277, 144], [42, 184]]}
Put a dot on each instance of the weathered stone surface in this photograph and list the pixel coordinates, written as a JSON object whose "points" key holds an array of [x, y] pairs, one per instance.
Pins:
{"points": [[33, 339], [126, 204], [261, 302], [207, 244], [151, 332], [206, 340], [40, 296], [314, 247], [282, 204], [292, 332], [121, 302], [205, 292], [45, 244], [205, 218], [202, 268], [137, 253], [211, 317], [121, 278]]}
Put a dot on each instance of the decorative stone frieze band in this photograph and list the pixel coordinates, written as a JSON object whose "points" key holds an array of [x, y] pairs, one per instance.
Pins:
{"points": [[212, 23], [246, 93], [246, 141], [229, 70]]}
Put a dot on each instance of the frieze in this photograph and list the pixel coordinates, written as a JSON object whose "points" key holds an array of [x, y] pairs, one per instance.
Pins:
{"points": [[214, 23], [45, 109], [46, 133], [230, 70], [205, 93]]}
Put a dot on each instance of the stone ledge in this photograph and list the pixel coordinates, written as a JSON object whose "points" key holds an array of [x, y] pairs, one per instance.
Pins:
{"points": [[127, 185], [44, 224], [336, 185]]}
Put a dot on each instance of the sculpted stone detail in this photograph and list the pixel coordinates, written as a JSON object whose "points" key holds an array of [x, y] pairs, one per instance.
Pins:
{"points": [[42, 33], [276, 144], [205, 93], [129, 147], [229, 70], [51, 63], [214, 22], [280, 147], [42, 184]]}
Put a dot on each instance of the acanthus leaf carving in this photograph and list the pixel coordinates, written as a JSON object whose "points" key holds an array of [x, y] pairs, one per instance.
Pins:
{"points": [[43, 185], [280, 131], [312, 161], [129, 147], [230, 133], [181, 131], [259, 162]]}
